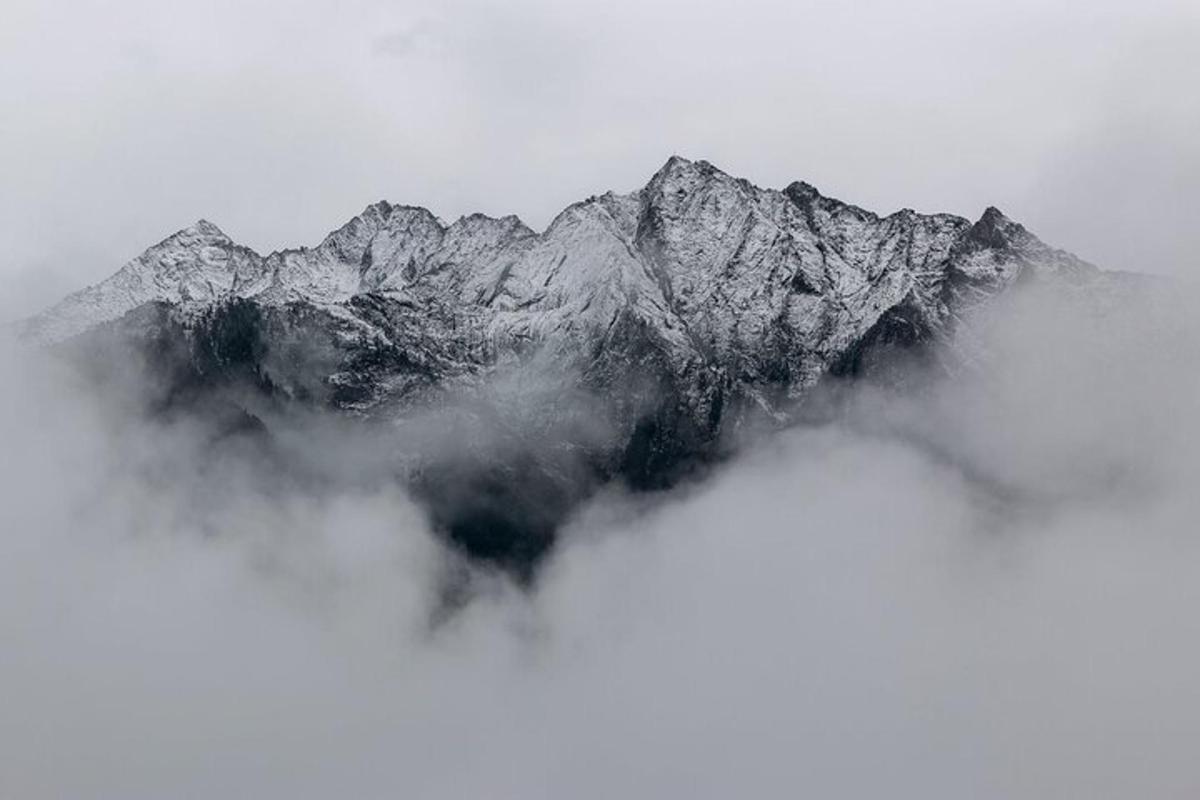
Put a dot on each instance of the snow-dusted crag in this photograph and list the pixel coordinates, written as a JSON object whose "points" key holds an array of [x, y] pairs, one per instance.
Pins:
{"points": [[687, 306]]}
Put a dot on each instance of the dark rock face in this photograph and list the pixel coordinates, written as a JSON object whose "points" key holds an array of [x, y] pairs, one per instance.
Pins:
{"points": [[630, 341]]}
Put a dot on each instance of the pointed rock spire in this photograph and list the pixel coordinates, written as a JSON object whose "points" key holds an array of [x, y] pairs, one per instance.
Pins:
{"points": [[996, 230]]}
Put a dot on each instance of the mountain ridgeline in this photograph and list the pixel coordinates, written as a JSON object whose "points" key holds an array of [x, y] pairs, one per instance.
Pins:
{"points": [[507, 374]]}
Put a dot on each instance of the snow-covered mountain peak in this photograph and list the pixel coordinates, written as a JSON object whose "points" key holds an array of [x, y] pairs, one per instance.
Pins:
{"points": [[203, 227], [686, 309], [679, 177], [994, 229], [694, 249], [802, 192], [200, 233], [483, 222]]}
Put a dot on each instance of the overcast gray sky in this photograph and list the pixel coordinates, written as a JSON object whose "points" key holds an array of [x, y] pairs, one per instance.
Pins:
{"points": [[124, 121]]}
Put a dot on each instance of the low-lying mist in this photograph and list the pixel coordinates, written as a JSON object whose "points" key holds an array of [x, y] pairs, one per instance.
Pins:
{"points": [[983, 588]]}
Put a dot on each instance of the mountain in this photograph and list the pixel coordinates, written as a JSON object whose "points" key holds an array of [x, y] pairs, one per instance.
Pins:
{"points": [[631, 340]]}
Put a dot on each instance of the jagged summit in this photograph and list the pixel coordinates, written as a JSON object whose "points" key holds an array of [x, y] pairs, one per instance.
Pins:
{"points": [[993, 229], [677, 166], [802, 191], [680, 174], [199, 232], [203, 227]]}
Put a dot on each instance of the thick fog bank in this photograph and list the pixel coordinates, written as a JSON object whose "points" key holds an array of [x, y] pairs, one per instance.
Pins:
{"points": [[985, 589]]}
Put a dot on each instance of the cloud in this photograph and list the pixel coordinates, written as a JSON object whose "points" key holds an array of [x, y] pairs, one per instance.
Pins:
{"points": [[979, 590]]}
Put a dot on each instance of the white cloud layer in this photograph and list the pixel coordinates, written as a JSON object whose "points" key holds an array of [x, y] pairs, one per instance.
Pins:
{"points": [[986, 591]]}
